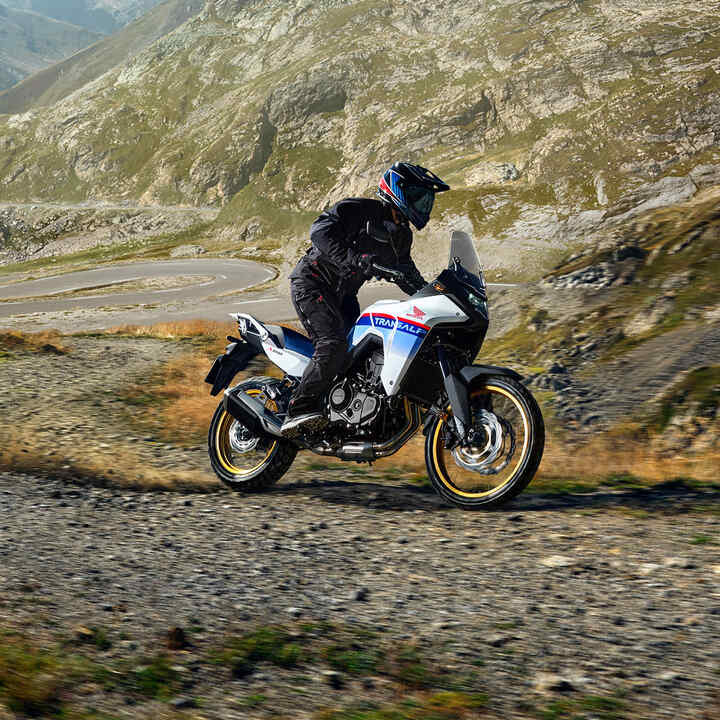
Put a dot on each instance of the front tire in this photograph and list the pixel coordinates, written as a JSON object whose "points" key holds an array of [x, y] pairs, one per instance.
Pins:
{"points": [[511, 435], [245, 462]]}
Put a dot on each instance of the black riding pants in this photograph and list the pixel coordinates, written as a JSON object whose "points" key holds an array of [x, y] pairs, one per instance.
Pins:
{"points": [[327, 319]]}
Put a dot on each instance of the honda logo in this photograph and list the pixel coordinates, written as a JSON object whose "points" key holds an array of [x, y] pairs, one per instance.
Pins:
{"points": [[417, 313]]}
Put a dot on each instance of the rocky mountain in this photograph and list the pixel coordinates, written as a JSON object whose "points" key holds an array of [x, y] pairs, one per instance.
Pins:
{"points": [[30, 42], [102, 16], [547, 117], [60, 80], [39, 34]]}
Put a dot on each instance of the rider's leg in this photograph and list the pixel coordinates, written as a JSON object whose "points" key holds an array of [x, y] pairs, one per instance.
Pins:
{"points": [[322, 318], [350, 308]]}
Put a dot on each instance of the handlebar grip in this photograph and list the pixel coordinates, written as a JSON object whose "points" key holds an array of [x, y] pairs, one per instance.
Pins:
{"points": [[387, 271]]}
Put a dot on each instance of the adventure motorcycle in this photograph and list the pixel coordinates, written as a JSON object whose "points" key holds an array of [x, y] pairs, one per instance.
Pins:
{"points": [[410, 367]]}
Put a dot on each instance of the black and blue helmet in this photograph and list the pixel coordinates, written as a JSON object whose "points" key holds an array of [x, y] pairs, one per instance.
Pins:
{"points": [[411, 189]]}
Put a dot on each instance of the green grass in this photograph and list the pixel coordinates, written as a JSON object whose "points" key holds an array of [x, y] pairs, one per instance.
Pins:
{"points": [[31, 679], [447, 705], [589, 707], [271, 645]]}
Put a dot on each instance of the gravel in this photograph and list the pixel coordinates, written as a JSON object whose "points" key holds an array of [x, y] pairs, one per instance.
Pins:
{"points": [[558, 596]]}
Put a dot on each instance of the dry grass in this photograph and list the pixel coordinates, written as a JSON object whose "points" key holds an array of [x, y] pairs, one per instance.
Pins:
{"points": [[119, 466], [49, 341], [622, 451], [180, 329], [177, 404]]}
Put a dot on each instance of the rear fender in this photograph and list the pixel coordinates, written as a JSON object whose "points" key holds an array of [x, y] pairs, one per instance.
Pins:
{"points": [[237, 357]]}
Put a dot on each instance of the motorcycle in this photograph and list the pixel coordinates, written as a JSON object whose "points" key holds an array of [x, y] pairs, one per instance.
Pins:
{"points": [[410, 367]]}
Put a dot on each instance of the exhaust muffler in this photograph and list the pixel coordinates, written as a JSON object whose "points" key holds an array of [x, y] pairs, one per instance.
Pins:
{"points": [[251, 413]]}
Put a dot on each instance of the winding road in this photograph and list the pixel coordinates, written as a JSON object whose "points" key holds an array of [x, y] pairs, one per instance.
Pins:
{"points": [[209, 290]]}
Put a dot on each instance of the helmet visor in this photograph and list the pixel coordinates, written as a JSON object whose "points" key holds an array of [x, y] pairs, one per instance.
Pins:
{"points": [[420, 199]]}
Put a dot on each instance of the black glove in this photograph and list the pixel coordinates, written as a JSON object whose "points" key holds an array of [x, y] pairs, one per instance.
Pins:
{"points": [[365, 264]]}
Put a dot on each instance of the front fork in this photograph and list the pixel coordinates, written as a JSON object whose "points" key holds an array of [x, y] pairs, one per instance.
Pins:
{"points": [[459, 397]]}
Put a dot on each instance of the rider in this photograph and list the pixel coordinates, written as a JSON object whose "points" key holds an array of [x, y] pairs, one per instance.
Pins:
{"points": [[325, 283]]}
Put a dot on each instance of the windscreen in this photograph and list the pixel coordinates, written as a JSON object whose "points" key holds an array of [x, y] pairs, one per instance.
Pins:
{"points": [[461, 246]]}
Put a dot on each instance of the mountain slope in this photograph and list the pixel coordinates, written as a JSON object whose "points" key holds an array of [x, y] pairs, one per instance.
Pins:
{"points": [[60, 80], [103, 16], [542, 115], [30, 42]]}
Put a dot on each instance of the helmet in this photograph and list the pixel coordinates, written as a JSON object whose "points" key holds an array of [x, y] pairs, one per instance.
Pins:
{"points": [[411, 189]]}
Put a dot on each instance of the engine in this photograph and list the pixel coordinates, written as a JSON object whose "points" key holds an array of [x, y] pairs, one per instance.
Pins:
{"points": [[357, 400]]}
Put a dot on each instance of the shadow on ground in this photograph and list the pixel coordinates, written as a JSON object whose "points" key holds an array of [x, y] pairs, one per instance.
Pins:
{"points": [[670, 497]]}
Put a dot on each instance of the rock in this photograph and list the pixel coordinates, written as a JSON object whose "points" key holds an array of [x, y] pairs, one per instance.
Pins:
{"points": [[333, 678], [552, 683], [187, 251], [499, 639], [558, 561], [294, 611], [360, 594], [177, 639], [183, 702], [649, 568]]}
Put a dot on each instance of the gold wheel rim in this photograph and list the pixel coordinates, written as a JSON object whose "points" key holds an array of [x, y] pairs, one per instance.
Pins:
{"points": [[224, 449], [439, 460]]}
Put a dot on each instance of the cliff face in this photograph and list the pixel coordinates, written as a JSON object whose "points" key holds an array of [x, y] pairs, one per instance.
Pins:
{"points": [[546, 116]]}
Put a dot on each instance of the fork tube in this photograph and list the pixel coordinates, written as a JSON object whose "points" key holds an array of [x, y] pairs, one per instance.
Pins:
{"points": [[457, 393]]}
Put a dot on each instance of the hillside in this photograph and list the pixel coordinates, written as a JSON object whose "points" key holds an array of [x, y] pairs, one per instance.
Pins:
{"points": [[541, 115], [30, 41], [102, 16], [61, 79]]}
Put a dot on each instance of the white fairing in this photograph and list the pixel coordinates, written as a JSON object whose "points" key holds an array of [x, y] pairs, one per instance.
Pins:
{"points": [[291, 360], [292, 363], [403, 327]]}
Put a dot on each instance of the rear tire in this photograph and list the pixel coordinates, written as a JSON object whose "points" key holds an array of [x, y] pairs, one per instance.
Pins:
{"points": [[244, 462], [514, 436]]}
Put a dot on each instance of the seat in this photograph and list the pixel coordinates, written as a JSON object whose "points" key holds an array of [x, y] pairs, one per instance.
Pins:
{"points": [[290, 339]]}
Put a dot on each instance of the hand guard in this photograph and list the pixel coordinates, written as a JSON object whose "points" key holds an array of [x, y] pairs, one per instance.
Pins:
{"points": [[413, 280]]}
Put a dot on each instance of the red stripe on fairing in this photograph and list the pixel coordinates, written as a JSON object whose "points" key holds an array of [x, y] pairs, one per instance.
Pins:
{"points": [[393, 317], [415, 322]]}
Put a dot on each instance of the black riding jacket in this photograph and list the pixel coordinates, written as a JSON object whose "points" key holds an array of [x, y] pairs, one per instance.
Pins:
{"points": [[339, 238]]}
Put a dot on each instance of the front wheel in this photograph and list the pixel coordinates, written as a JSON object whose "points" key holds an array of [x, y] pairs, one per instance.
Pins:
{"points": [[506, 450], [243, 461]]}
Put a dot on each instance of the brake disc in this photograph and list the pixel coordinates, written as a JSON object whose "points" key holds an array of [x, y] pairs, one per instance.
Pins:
{"points": [[481, 459], [241, 439]]}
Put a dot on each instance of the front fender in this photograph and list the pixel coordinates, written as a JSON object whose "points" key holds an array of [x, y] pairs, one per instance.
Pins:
{"points": [[470, 373], [458, 385]]}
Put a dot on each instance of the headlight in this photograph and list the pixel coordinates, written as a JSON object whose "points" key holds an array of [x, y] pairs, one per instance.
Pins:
{"points": [[478, 302]]}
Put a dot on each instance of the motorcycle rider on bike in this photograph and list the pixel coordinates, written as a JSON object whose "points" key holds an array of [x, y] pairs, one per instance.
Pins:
{"points": [[325, 283]]}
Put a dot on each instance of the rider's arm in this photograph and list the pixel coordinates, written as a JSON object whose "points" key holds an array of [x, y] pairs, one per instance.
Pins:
{"points": [[413, 280], [330, 233]]}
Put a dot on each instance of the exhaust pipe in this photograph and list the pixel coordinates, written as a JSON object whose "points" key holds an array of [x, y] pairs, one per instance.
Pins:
{"points": [[251, 413], [368, 451]]}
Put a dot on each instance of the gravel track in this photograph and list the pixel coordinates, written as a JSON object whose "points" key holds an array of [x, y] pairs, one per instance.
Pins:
{"points": [[600, 593]]}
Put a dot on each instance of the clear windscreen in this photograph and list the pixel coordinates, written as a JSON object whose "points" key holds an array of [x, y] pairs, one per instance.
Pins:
{"points": [[462, 247]]}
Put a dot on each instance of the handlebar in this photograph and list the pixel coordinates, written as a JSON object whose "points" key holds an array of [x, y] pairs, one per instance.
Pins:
{"points": [[387, 272]]}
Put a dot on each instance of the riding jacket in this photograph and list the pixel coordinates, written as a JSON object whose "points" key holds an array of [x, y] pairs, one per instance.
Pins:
{"points": [[339, 238]]}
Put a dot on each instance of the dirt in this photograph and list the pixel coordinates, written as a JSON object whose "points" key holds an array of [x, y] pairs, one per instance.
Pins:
{"points": [[546, 604]]}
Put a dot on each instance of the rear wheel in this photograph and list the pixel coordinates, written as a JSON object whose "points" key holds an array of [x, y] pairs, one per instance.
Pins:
{"points": [[505, 454], [243, 461]]}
